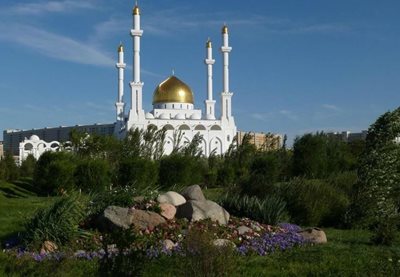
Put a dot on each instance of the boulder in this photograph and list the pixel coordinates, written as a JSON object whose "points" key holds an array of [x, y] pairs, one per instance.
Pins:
{"points": [[115, 217], [171, 197], [138, 199], [193, 193], [168, 210], [48, 247], [314, 235], [223, 243], [197, 210], [243, 230], [168, 244], [145, 220]]}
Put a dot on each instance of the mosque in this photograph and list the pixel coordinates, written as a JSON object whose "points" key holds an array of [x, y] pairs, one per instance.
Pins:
{"points": [[173, 102], [173, 108]]}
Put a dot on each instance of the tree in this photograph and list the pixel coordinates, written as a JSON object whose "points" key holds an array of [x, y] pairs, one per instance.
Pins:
{"points": [[8, 168], [92, 175], [28, 166]]}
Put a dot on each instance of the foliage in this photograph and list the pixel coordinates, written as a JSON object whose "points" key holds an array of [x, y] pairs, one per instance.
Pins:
{"points": [[27, 167], [92, 175], [57, 223], [376, 201], [310, 202], [203, 258], [269, 210], [181, 170], [8, 169], [137, 172], [54, 172]]}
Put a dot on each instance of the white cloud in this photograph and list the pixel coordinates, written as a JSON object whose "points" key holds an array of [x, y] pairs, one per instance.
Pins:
{"points": [[49, 7], [54, 45], [275, 115], [331, 107]]}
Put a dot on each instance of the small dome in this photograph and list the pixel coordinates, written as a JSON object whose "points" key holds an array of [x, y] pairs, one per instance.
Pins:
{"points": [[173, 90], [34, 138], [149, 116], [164, 116], [195, 116], [180, 116]]}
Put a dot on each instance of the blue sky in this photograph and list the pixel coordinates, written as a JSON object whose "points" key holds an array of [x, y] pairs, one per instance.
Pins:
{"points": [[296, 66]]}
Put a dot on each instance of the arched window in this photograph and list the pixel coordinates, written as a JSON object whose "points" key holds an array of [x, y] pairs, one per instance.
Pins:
{"points": [[200, 127]]}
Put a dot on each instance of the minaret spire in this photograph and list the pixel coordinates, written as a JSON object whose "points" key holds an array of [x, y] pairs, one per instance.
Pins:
{"points": [[120, 116], [226, 95], [136, 113], [209, 61]]}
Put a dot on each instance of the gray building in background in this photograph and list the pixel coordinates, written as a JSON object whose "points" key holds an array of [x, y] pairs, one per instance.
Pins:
{"points": [[348, 136], [12, 138]]}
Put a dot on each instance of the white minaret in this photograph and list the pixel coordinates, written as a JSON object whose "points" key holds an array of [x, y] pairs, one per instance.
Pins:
{"points": [[226, 95], [136, 113], [120, 118], [210, 103]]}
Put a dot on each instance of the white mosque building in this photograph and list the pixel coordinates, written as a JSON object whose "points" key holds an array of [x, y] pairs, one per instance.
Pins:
{"points": [[173, 102]]}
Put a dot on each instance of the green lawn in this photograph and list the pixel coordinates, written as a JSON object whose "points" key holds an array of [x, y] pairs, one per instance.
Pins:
{"points": [[348, 252]]}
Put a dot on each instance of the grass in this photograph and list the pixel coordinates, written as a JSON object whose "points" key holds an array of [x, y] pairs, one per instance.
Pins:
{"points": [[348, 252]]}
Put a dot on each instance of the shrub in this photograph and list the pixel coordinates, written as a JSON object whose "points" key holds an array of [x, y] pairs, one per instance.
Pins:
{"points": [[58, 222], [203, 258], [28, 166], [311, 202], [8, 168], [92, 175], [270, 209], [137, 172], [55, 172]]}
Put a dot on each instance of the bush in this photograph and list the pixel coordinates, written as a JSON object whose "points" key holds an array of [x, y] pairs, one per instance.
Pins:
{"points": [[313, 202], [270, 209], [27, 168], [139, 173], [54, 172], [8, 168], [203, 258], [57, 223], [92, 175], [179, 170]]}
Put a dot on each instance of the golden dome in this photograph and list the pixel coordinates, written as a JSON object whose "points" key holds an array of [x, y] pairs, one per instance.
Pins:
{"points": [[225, 29], [173, 90], [136, 10], [120, 48]]}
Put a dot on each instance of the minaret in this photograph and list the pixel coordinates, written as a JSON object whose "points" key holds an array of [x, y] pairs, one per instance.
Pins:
{"points": [[210, 103], [226, 95], [136, 113], [120, 102]]}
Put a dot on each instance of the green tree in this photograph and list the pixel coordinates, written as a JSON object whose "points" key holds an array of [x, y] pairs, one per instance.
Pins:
{"points": [[54, 172], [27, 167], [8, 168], [138, 173], [92, 175]]}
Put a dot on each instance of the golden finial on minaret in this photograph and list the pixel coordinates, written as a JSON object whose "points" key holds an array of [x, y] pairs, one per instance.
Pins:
{"points": [[208, 43], [225, 29], [136, 10], [120, 48]]}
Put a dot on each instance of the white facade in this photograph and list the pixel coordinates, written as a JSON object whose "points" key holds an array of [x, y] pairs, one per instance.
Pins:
{"points": [[36, 147], [173, 107]]}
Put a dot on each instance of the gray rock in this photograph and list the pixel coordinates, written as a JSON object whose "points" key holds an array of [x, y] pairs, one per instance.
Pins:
{"points": [[168, 244], [198, 210], [115, 217], [255, 227], [314, 235], [171, 197], [145, 220], [223, 243], [193, 193], [243, 230]]}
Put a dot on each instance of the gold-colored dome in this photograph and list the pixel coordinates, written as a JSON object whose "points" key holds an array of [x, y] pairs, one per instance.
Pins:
{"points": [[208, 43], [120, 48], [225, 29], [173, 90]]}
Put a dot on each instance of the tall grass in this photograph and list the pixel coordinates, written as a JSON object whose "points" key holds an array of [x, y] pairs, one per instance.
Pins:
{"points": [[269, 210], [57, 223]]}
